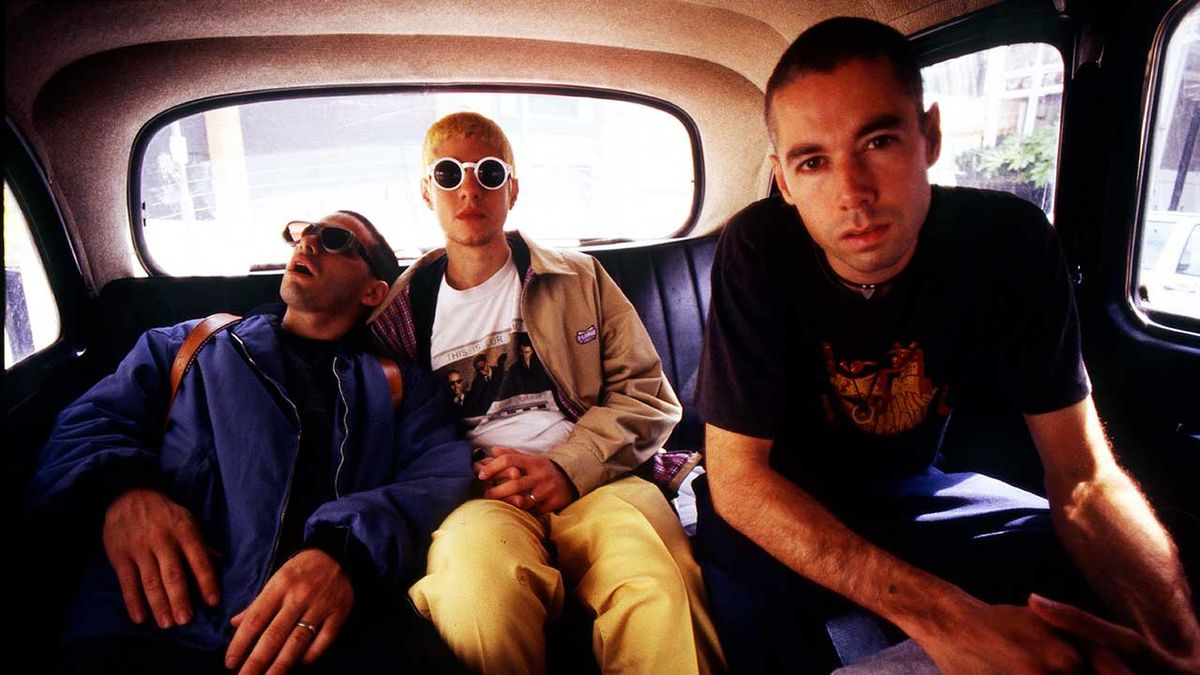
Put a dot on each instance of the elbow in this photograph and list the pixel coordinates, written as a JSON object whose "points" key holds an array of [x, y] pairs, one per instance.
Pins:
{"points": [[1077, 499], [739, 473], [724, 481], [1072, 498]]}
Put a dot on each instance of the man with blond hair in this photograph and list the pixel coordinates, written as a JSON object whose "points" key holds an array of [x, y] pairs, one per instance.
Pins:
{"points": [[584, 402]]}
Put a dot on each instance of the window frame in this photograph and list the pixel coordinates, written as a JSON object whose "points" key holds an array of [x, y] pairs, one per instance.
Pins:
{"points": [[997, 26], [173, 114], [1171, 327], [26, 225], [31, 189]]}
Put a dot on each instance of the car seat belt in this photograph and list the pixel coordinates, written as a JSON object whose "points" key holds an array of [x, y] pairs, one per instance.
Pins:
{"points": [[215, 323]]}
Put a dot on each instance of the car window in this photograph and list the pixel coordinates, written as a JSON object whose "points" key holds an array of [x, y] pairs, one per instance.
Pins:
{"points": [[1189, 260], [216, 187], [1000, 111], [1166, 264], [31, 320]]}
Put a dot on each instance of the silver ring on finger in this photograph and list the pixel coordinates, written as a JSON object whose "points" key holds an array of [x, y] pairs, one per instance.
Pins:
{"points": [[532, 499], [312, 630]]}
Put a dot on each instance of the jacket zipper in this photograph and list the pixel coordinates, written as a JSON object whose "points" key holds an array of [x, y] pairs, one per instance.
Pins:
{"points": [[558, 390], [337, 476], [287, 495]]}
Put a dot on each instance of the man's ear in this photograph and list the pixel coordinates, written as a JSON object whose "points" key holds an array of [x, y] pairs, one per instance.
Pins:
{"points": [[777, 169], [931, 128], [375, 293], [425, 192], [513, 188]]}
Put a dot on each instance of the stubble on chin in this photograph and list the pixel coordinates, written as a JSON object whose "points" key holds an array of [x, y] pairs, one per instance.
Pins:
{"points": [[289, 293], [474, 239]]}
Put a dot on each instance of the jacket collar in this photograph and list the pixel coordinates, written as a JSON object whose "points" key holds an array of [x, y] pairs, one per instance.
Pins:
{"points": [[542, 260], [257, 333], [527, 254]]}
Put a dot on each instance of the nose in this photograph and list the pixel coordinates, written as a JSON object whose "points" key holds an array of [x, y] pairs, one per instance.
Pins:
{"points": [[309, 244], [470, 186], [856, 184]]}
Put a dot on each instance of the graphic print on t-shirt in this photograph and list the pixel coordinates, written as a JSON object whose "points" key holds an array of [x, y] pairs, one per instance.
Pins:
{"points": [[495, 377], [492, 374], [885, 397]]}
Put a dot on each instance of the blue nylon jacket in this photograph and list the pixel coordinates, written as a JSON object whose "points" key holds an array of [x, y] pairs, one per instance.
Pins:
{"points": [[228, 456]]}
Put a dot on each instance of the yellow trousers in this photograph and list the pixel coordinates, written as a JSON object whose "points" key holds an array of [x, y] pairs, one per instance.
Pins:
{"points": [[492, 583]]}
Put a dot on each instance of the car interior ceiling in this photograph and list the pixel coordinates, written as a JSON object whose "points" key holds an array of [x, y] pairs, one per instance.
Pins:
{"points": [[84, 79]]}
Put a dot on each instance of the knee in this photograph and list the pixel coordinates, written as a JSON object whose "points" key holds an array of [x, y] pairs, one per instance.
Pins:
{"points": [[471, 533], [646, 578], [636, 492], [484, 556], [656, 575], [632, 497]]}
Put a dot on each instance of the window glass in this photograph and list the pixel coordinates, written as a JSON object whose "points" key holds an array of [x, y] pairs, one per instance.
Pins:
{"points": [[218, 186], [1000, 120], [1168, 267], [1189, 260], [31, 320]]}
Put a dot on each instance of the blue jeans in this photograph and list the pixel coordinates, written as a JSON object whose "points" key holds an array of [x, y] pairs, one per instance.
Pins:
{"points": [[993, 540]]}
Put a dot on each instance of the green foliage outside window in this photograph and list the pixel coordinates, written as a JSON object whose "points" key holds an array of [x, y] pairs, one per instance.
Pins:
{"points": [[1019, 159]]}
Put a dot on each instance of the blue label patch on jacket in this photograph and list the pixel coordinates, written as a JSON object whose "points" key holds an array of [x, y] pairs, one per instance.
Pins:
{"points": [[586, 335]]}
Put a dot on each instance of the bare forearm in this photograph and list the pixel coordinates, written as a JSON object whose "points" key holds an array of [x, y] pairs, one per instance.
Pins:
{"points": [[959, 632], [797, 530], [1108, 528], [1126, 555]]}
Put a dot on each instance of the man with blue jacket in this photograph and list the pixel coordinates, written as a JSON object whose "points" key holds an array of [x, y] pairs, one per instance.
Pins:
{"points": [[287, 490]]}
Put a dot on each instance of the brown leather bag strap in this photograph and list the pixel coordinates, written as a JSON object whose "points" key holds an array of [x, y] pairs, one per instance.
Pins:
{"points": [[195, 340], [215, 323], [391, 370]]}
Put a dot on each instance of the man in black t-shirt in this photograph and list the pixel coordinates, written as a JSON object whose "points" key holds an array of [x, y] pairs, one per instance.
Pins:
{"points": [[847, 320]]}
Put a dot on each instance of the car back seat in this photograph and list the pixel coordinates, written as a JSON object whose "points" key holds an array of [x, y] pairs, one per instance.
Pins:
{"points": [[667, 283]]}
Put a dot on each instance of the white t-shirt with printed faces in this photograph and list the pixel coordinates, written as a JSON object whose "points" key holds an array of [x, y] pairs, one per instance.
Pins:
{"points": [[492, 375]]}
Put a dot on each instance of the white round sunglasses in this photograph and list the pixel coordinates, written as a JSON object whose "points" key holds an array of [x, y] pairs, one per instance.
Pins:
{"points": [[449, 173]]}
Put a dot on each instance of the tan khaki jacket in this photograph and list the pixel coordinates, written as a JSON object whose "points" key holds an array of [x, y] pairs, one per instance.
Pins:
{"points": [[593, 346]]}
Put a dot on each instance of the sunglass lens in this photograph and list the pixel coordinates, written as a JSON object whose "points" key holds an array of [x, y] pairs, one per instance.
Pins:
{"points": [[447, 174], [335, 239], [491, 173], [294, 232]]}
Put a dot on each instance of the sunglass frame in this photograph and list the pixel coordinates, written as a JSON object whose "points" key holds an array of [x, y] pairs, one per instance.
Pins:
{"points": [[462, 172]]}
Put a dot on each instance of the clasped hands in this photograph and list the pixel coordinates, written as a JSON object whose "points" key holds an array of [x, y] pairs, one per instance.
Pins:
{"points": [[529, 482], [153, 543]]}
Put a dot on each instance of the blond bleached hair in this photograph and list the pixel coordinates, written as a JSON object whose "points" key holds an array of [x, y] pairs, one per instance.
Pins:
{"points": [[466, 125]]}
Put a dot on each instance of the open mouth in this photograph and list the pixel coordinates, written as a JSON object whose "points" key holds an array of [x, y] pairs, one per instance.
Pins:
{"points": [[302, 269]]}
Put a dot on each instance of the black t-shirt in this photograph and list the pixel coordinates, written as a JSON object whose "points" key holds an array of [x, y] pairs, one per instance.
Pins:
{"points": [[312, 386], [847, 385]]}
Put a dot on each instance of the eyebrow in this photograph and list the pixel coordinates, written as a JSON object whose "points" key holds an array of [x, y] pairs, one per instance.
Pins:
{"points": [[885, 121], [880, 123]]}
